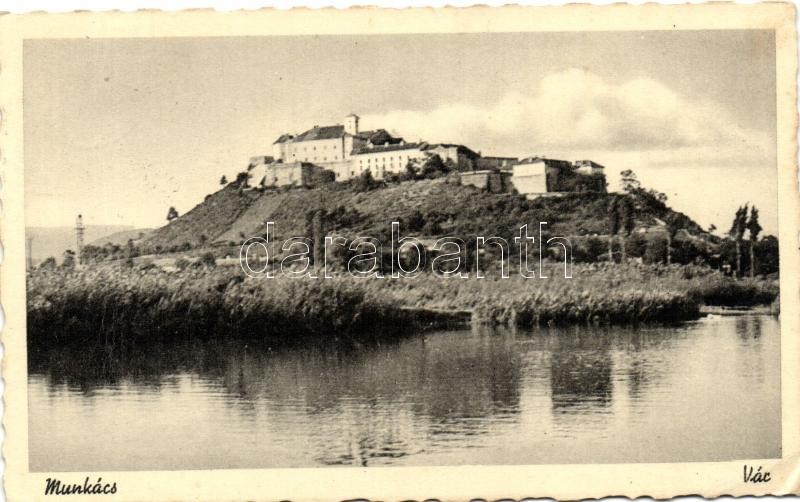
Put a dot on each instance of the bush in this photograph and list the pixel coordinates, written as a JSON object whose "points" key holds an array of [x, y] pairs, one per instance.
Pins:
{"points": [[432, 227], [48, 263], [730, 292], [589, 249], [433, 168], [415, 222], [207, 260], [656, 251], [635, 246], [365, 182]]}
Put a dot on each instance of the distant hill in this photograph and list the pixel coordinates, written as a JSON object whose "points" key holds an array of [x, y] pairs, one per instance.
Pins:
{"points": [[121, 238], [426, 208], [53, 241]]}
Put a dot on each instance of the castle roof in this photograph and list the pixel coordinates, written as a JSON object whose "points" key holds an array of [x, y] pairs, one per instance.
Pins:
{"points": [[495, 162], [379, 137], [588, 163], [459, 148], [389, 148], [324, 132], [283, 139], [564, 164]]}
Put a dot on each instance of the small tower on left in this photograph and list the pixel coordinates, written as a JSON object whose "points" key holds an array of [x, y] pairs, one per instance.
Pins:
{"points": [[80, 229]]}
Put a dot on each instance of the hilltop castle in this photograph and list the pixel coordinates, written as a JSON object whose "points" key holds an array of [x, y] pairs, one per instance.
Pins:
{"points": [[342, 152]]}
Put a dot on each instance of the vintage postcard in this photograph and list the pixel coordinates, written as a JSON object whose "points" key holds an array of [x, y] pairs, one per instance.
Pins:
{"points": [[400, 254]]}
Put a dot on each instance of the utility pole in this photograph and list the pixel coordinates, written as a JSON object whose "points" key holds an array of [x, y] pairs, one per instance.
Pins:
{"points": [[79, 231], [29, 253]]}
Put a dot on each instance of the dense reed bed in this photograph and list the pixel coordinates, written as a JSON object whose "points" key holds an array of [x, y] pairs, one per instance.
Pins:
{"points": [[607, 293], [120, 302]]}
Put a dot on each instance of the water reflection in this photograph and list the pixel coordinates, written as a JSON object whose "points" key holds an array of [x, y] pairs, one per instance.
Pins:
{"points": [[552, 395], [580, 373]]}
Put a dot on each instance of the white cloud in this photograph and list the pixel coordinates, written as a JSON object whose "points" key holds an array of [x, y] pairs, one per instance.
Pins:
{"points": [[578, 110]]}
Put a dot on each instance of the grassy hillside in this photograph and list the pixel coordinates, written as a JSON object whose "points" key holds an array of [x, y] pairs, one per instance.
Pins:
{"points": [[426, 208], [206, 222]]}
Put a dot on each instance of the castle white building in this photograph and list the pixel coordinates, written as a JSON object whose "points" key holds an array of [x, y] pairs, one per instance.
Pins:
{"points": [[341, 152], [345, 150]]}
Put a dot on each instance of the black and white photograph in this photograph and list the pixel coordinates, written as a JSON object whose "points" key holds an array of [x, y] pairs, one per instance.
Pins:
{"points": [[361, 251]]}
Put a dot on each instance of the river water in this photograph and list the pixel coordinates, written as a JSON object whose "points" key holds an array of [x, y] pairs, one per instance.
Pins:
{"points": [[704, 391]]}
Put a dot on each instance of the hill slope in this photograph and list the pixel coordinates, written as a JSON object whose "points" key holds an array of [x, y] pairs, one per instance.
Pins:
{"points": [[427, 208], [206, 221]]}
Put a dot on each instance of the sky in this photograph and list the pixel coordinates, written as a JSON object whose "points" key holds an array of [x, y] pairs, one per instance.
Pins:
{"points": [[121, 129]]}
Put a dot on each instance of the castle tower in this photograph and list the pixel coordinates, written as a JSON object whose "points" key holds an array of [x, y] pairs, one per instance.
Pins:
{"points": [[351, 124]]}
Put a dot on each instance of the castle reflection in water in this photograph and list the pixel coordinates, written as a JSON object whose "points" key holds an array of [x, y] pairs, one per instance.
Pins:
{"points": [[478, 396]]}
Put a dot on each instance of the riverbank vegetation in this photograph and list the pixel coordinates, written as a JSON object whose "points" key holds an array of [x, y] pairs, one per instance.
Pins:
{"points": [[120, 303], [124, 302]]}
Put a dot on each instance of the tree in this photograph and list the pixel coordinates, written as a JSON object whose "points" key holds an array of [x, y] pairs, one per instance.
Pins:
{"points": [[365, 182], [736, 233], [223, 180], [415, 221], [433, 167], [172, 214], [767, 255], [243, 179], [630, 184], [614, 225], [315, 231], [69, 259], [208, 260], [754, 228], [410, 172], [673, 226], [628, 223], [132, 249]]}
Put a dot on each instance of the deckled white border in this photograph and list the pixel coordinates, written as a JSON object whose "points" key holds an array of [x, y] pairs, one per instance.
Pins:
{"points": [[23, 6], [175, 5]]}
